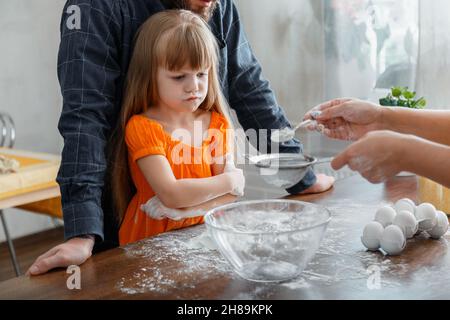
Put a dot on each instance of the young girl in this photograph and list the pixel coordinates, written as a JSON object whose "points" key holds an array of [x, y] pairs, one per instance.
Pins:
{"points": [[172, 94]]}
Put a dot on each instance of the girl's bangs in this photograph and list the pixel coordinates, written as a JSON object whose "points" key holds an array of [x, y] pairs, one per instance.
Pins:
{"points": [[186, 47]]}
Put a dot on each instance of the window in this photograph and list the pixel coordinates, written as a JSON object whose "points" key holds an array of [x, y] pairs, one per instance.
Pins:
{"points": [[369, 44]]}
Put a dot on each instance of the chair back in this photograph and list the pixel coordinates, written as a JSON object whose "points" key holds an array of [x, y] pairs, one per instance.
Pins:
{"points": [[7, 131]]}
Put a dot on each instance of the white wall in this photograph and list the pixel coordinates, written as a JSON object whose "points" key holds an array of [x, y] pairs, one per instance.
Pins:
{"points": [[29, 91], [287, 38]]}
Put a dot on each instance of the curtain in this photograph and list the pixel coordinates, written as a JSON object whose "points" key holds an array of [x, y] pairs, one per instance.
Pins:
{"points": [[315, 50], [433, 72], [370, 46]]}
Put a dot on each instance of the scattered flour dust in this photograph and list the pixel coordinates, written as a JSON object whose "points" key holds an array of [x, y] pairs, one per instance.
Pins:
{"points": [[187, 250], [203, 241]]}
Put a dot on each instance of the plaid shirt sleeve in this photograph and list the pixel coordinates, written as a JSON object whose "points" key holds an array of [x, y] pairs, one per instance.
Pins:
{"points": [[250, 94], [88, 71]]}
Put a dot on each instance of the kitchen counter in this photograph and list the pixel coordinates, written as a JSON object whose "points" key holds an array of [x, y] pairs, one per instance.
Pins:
{"points": [[171, 267]]}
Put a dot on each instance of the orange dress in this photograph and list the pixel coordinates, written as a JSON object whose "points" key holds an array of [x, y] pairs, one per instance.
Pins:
{"points": [[145, 137]]}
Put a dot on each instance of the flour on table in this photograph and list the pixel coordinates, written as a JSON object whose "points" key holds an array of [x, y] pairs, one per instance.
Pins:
{"points": [[194, 262], [8, 165], [203, 241]]}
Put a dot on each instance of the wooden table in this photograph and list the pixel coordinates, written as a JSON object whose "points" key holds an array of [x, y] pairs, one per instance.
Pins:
{"points": [[165, 267], [34, 181]]}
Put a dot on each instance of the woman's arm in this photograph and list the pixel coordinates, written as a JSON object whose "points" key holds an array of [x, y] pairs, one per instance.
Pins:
{"points": [[183, 193], [433, 125], [429, 159], [351, 119], [381, 155]]}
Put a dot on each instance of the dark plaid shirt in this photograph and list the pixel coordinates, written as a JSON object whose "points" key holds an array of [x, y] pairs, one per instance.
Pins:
{"points": [[92, 64]]}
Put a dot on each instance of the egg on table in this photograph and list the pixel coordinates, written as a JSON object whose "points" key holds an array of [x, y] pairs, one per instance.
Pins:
{"points": [[426, 216], [372, 235], [405, 205], [441, 227], [407, 222], [393, 240], [385, 216]]}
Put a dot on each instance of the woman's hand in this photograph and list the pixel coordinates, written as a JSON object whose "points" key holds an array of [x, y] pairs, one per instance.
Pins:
{"points": [[73, 252], [378, 156], [346, 119]]}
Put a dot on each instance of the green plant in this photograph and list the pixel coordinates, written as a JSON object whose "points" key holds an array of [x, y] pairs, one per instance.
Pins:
{"points": [[402, 97]]}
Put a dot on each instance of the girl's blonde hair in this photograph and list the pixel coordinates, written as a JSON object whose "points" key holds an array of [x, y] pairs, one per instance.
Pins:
{"points": [[170, 39]]}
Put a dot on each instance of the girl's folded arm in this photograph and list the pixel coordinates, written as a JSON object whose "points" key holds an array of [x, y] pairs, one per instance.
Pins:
{"points": [[183, 193]]}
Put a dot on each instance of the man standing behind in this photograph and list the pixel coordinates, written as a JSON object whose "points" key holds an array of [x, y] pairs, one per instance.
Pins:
{"points": [[93, 60]]}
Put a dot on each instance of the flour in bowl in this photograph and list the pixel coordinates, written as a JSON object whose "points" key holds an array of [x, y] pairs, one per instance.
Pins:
{"points": [[268, 221]]}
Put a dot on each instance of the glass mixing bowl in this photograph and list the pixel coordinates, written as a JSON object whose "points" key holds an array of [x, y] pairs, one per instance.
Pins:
{"points": [[268, 240]]}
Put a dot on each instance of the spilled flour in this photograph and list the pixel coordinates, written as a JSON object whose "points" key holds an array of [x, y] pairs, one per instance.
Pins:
{"points": [[186, 264], [191, 264], [203, 241]]}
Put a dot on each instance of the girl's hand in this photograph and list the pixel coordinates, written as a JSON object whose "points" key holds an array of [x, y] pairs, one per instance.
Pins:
{"points": [[73, 252], [346, 119], [155, 209], [236, 177], [378, 156]]}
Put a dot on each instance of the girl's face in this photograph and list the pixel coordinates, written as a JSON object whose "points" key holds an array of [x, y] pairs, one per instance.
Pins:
{"points": [[183, 90]]}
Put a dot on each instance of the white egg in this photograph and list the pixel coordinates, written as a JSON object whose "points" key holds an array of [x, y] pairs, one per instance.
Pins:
{"points": [[372, 235], [405, 205], [441, 227], [407, 222], [385, 216], [426, 216], [393, 240]]}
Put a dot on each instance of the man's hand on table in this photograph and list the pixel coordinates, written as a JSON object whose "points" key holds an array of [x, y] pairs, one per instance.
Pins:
{"points": [[73, 252]]}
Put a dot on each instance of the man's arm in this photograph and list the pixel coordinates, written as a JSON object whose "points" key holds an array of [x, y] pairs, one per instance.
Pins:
{"points": [[94, 36], [250, 93], [88, 71]]}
